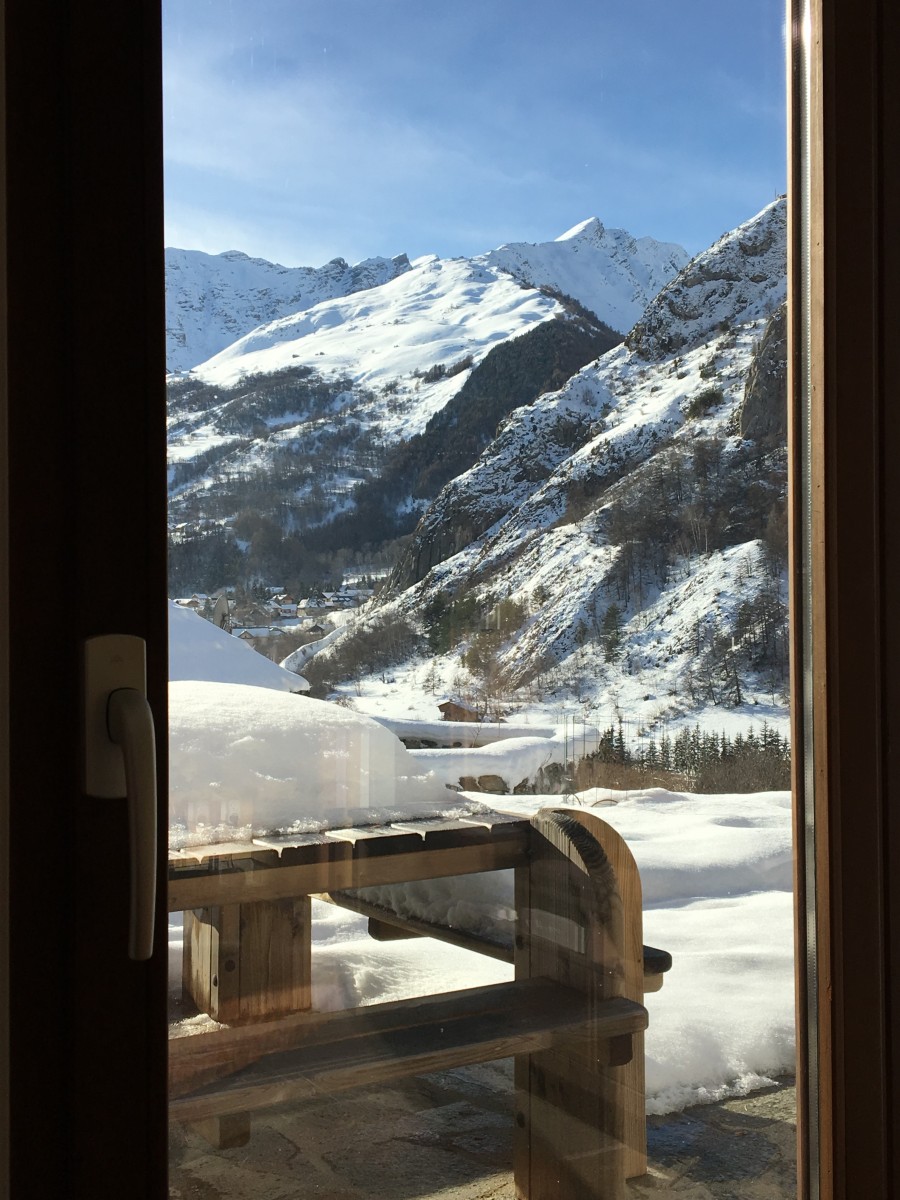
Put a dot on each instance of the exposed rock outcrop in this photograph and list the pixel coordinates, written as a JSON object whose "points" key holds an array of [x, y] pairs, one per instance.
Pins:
{"points": [[763, 413]]}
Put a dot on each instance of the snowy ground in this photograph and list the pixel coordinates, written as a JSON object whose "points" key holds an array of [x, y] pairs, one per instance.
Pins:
{"points": [[716, 872], [411, 692]]}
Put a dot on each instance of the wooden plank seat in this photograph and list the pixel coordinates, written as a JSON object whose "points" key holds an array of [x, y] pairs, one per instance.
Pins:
{"points": [[572, 1019], [384, 1042]]}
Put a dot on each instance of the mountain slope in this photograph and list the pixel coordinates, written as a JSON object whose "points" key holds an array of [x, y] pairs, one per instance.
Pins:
{"points": [[214, 301], [211, 300], [393, 389], [625, 534], [606, 270]]}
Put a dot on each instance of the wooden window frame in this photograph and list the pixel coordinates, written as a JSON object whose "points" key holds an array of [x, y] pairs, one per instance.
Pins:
{"points": [[844, 271], [845, 429]]}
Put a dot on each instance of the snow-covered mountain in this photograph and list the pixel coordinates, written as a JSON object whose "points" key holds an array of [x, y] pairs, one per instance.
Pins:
{"points": [[599, 513], [606, 270], [349, 371], [697, 334], [628, 528], [211, 300], [438, 311]]}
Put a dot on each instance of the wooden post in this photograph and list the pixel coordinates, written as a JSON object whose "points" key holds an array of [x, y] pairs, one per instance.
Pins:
{"points": [[580, 1126], [248, 962]]}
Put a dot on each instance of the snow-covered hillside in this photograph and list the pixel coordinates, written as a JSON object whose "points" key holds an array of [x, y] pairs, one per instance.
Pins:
{"points": [[211, 300], [315, 397], [439, 311], [633, 533]]}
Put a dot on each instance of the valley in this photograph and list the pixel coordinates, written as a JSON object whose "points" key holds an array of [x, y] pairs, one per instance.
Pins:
{"points": [[562, 513]]}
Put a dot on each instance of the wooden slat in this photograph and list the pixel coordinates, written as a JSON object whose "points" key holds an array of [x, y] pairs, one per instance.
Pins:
{"points": [[226, 851], [340, 870], [490, 818], [334, 1052]]}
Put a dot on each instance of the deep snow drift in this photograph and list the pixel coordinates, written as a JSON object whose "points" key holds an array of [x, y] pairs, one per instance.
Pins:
{"points": [[248, 760], [200, 650]]}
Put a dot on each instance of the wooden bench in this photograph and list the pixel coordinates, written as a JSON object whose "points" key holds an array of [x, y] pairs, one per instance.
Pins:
{"points": [[573, 1018]]}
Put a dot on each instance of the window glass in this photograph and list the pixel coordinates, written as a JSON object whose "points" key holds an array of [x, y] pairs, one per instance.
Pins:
{"points": [[478, 600]]}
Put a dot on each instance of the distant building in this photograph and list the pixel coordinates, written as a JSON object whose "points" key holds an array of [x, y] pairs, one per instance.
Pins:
{"points": [[455, 710]]}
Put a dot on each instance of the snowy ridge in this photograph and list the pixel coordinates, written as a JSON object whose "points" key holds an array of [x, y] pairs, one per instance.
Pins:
{"points": [[738, 279], [439, 311], [232, 296], [616, 413], [211, 300], [606, 270]]}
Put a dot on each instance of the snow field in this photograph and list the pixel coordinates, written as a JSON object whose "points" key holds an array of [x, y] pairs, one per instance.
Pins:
{"points": [[716, 874]]}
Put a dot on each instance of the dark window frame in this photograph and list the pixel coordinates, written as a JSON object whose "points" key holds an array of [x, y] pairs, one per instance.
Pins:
{"points": [[80, 79]]}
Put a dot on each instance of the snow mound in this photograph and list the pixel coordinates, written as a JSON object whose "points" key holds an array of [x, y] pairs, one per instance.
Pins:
{"points": [[200, 650], [248, 761], [517, 760]]}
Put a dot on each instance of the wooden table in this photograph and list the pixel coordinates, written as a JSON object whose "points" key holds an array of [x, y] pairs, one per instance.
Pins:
{"points": [[573, 1017]]}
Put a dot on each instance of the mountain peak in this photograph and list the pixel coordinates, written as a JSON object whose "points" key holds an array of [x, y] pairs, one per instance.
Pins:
{"points": [[591, 228], [606, 270]]}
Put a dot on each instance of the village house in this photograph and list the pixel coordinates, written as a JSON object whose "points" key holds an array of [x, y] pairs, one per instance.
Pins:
{"points": [[455, 710]]}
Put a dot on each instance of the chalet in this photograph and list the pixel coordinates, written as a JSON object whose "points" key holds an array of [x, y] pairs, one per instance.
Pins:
{"points": [[197, 602], [455, 710]]}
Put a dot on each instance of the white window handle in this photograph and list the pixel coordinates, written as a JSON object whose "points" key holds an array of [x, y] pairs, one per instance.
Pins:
{"points": [[130, 724], [120, 762]]}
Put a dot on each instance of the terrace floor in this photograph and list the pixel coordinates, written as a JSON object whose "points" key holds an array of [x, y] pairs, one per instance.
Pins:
{"points": [[449, 1137]]}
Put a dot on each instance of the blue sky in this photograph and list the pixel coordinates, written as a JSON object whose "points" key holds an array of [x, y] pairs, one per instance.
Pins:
{"points": [[300, 130]]}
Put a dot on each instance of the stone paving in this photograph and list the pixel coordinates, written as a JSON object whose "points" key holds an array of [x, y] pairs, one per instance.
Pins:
{"points": [[449, 1137]]}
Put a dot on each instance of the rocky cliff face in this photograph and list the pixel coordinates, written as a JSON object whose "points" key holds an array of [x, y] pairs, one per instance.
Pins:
{"points": [[763, 414], [738, 279], [682, 372]]}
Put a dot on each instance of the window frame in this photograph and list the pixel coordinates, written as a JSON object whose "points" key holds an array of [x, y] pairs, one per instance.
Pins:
{"points": [[845, 500], [845, 434]]}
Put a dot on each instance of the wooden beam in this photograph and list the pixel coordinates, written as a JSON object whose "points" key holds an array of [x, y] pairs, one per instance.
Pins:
{"points": [[191, 888], [248, 962], [385, 925], [224, 1133]]}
